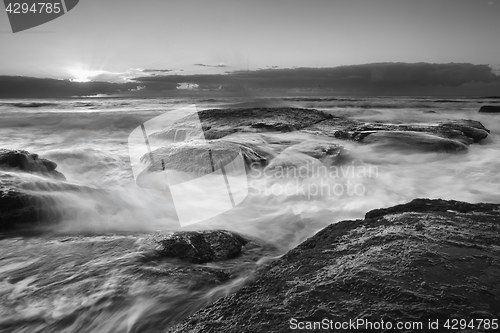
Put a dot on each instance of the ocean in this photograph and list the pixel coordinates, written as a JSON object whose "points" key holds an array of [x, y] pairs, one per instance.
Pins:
{"points": [[88, 139]]}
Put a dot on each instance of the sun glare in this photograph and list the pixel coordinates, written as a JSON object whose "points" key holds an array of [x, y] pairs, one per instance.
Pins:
{"points": [[82, 75]]}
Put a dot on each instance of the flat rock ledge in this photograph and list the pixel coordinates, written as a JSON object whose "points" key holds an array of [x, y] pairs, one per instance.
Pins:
{"points": [[420, 261]]}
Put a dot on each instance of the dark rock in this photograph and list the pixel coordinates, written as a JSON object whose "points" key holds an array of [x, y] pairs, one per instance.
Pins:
{"points": [[471, 128], [19, 208], [267, 119], [218, 123], [27, 201], [432, 205], [335, 127], [425, 260], [28, 162], [199, 246], [489, 109]]}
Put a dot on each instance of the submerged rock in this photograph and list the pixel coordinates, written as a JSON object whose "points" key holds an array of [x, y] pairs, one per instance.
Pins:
{"points": [[489, 109], [309, 154], [320, 149], [425, 260], [25, 161], [416, 141]]}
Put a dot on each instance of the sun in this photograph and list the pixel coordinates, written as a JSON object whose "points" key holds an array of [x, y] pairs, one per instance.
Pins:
{"points": [[83, 75]]}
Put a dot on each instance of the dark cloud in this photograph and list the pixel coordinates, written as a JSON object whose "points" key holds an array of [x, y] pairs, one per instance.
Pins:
{"points": [[371, 79], [20, 86], [380, 78], [157, 70], [221, 65]]}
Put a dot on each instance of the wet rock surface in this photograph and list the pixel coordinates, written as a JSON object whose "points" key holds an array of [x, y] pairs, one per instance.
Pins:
{"points": [[261, 119], [28, 201], [421, 261], [218, 123], [33, 194], [25, 161], [19, 208], [199, 246], [25, 196]]}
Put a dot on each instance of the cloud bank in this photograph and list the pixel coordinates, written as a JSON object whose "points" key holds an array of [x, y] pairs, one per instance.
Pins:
{"points": [[454, 79], [220, 65]]}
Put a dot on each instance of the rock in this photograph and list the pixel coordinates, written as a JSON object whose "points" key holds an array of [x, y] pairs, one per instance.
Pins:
{"points": [[335, 127], [470, 128], [430, 205], [259, 143], [463, 130], [421, 261], [228, 125], [199, 246], [20, 208], [196, 156], [28, 201], [414, 141], [218, 123], [489, 109], [28, 162], [309, 154], [321, 150], [262, 119]]}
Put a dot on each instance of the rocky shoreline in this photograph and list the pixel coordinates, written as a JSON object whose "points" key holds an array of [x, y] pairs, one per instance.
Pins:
{"points": [[420, 262]]}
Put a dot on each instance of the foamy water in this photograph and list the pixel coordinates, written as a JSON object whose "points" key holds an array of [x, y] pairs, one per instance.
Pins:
{"points": [[88, 140]]}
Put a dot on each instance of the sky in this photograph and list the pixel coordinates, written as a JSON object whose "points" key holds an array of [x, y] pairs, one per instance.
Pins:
{"points": [[116, 39]]}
